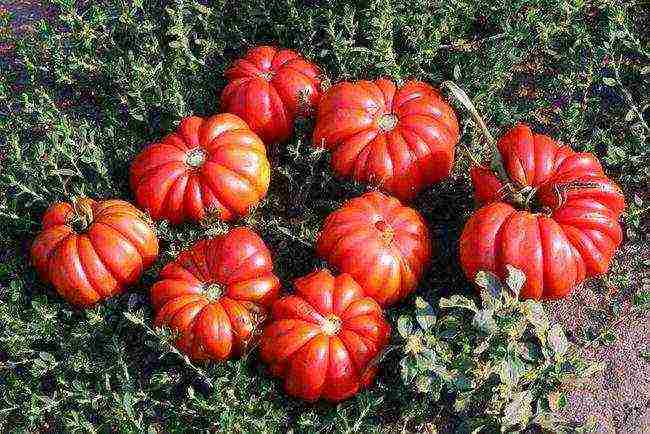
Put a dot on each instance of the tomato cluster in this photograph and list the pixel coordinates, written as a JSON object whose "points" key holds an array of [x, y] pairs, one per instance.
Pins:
{"points": [[221, 296]]}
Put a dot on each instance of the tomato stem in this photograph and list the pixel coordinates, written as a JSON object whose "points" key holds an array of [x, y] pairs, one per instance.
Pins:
{"points": [[496, 162], [83, 214]]}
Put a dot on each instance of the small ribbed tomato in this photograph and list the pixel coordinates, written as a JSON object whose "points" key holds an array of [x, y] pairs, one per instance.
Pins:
{"points": [[399, 139], [384, 245], [216, 295], [214, 166], [91, 251], [269, 88], [566, 231], [324, 339]]}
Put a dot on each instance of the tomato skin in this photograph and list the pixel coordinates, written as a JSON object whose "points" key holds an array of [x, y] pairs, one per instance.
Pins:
{"points": [[214, 165], [269, 88], [94, 264], [384, 245], [324, 339], [558, 249], [400, 139], [217, 294]]}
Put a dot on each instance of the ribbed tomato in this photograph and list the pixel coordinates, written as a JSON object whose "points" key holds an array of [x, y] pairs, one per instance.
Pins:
{"points": [[569, 235], [269, 88], [91, 250], [208, 166], [323, 339], [400, 139], [216, 295], [384, 245]]}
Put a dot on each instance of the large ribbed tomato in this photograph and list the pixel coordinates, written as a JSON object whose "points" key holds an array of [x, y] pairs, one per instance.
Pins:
{"points": [[400, 139], [91, 250], [573, 233], [216, 295], [384, 245], [269, 88], [323, 339], [208, 166]]}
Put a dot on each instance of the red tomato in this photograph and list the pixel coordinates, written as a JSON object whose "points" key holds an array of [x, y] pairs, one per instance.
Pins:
{"points": [[323, 339], [385, 246], [217, 294], [208, 166], [571, 237], [400, 139], [269, 88], [91, 251]]}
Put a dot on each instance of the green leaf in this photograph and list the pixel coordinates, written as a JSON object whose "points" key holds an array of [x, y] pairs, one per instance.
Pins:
{"points": [[409, 369], [511, 369], [426, 359], [515, 279], [557, 340], [536, 315], [458, 301], [518, 411], [642, 300], [609, 81], [424, 314], [484, 321], [405, 326], [491, 284]]}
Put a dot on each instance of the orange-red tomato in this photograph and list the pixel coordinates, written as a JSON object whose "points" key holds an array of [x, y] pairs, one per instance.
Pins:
{"points": [[269, 88], [91, 250], [323, 339], [216, 295], [384, 245], [571, 237], [401, 139], [214, 166]]}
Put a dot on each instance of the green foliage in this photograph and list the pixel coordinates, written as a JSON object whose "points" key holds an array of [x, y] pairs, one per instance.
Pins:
{"points": [[85, 87], [504, 363]]}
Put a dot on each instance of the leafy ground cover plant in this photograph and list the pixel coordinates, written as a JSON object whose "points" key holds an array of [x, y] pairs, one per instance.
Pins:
{"points": [[85, 85], [503, 361]]}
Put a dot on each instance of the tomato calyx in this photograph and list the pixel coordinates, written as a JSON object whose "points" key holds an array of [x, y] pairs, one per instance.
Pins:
{"points": [[387, 122], [213, 291], [82, 216], [195, 157], [332, 325]]}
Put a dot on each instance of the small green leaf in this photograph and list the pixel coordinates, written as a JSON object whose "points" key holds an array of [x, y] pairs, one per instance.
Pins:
{"points": [[484, 321], [458, 301], [642, 300], [515, 279], [408, 369], [557, 340], [609, 81], [426, 359], [424, 314], [518, 411], [405, 326], [511, 369], [536, 316], [490, 282]]}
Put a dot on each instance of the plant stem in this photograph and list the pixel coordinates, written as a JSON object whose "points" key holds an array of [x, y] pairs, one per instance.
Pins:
{"points": [[496, 160]]}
